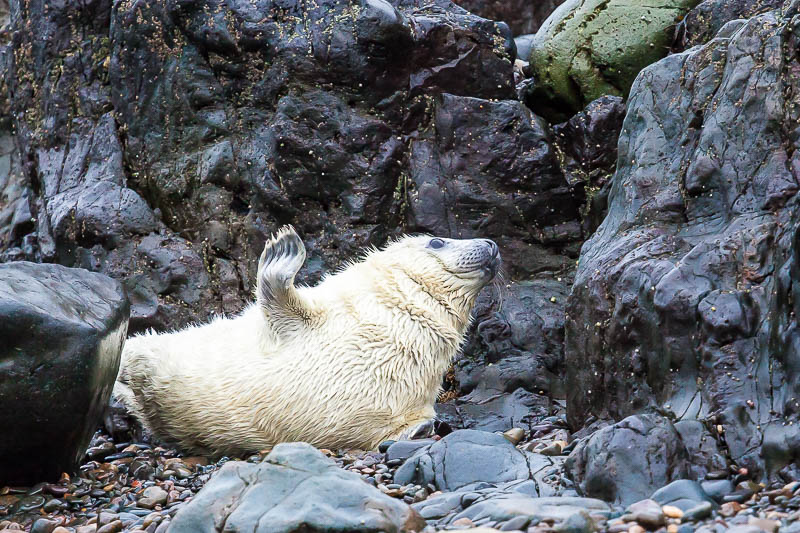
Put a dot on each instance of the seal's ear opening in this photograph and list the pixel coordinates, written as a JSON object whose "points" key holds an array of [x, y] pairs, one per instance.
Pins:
{"points": [[281, 260]]}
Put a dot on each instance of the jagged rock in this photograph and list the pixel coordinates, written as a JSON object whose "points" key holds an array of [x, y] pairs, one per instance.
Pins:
{"points": [[522, 16], [704, 21], [295, 488], [590, 48], [684, 299], [627, 461], [467, 457], [61, 334]]}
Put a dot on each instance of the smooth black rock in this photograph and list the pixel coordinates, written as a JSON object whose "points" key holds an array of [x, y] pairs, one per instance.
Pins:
{"points": [[61, 334], [684, 300], [626, 462], [295, 488]]}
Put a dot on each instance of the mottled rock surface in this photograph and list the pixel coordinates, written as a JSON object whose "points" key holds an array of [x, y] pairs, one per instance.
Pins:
{"points": [[684, 300], [590, 48], [295, 488], [61, 334]]}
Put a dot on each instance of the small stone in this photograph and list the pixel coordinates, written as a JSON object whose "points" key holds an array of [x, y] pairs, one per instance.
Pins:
{"points": [[770, 526], [105, 518], [698, 512], [463, 522], [648, 513], [672, 528], [113, 527], [636, 528], [383, 446], [729, 509], [45, 525], [670, 511], [514, 435], [552, 450], [61, 529]]}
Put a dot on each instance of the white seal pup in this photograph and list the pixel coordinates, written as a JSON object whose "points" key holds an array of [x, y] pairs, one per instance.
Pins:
{"points": [[351, 362]]}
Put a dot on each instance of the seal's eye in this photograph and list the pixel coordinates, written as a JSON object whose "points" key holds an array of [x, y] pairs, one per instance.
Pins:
{"points": [[436, 243]]}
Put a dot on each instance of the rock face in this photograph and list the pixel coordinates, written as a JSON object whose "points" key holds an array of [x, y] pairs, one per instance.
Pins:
{"points": [[466, 457], [61, 334], [684, 300], [522, 16], [590, 48], [178, 135], [295, 488]]}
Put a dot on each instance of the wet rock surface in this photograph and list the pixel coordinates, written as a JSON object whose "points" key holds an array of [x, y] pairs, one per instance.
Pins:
{"points": [[683, 301], [706, 19], [61, 334], [295, 488]]}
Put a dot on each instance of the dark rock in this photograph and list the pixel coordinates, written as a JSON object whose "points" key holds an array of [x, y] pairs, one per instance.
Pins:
{"points": [[517, 343], [466, 457], [703, 22], [588, 144], [698, 512], [717, 489], [625, 462], [683, 301], [61, 333], [402, 450], [682, 493], [520, 15], [295, 488]]}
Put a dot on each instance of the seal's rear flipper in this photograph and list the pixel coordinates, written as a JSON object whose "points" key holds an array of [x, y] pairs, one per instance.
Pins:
{"points": [[283, 256]]}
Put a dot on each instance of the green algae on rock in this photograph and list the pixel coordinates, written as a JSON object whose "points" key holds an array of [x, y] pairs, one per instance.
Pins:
{"points": [[590, 48]]}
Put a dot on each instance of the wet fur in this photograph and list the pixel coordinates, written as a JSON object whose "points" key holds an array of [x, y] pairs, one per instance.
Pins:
{"points": [[356, 360]]}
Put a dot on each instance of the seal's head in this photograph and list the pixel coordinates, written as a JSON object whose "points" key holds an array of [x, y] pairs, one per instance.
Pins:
{"points": [[451, 270]]}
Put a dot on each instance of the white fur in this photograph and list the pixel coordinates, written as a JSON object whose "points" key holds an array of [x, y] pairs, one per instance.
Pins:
{"points": [[353, 361]]}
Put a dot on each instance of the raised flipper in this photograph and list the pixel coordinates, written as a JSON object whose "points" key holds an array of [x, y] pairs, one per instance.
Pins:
{"points": [[283, 256]]}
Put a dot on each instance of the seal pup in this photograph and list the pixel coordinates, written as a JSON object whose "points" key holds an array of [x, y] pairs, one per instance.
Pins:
{"points": [[349, 363]]}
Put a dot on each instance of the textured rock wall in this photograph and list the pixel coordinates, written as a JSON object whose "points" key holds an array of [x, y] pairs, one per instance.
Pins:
{"points": [[685, 299], [161, 142]]}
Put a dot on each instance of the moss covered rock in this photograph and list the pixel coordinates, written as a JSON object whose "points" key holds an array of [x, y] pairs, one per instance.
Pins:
{"points": [[590, 48]]}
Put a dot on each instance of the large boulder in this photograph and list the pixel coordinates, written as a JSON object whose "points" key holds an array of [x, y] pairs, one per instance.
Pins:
{"points": [[627, 461], [685, 300], [295, 488], [590, 48], [61, 334], [468, 457]]}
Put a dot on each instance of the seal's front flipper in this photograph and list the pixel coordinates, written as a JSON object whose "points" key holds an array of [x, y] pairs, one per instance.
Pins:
{"points": [[283, 256]]}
